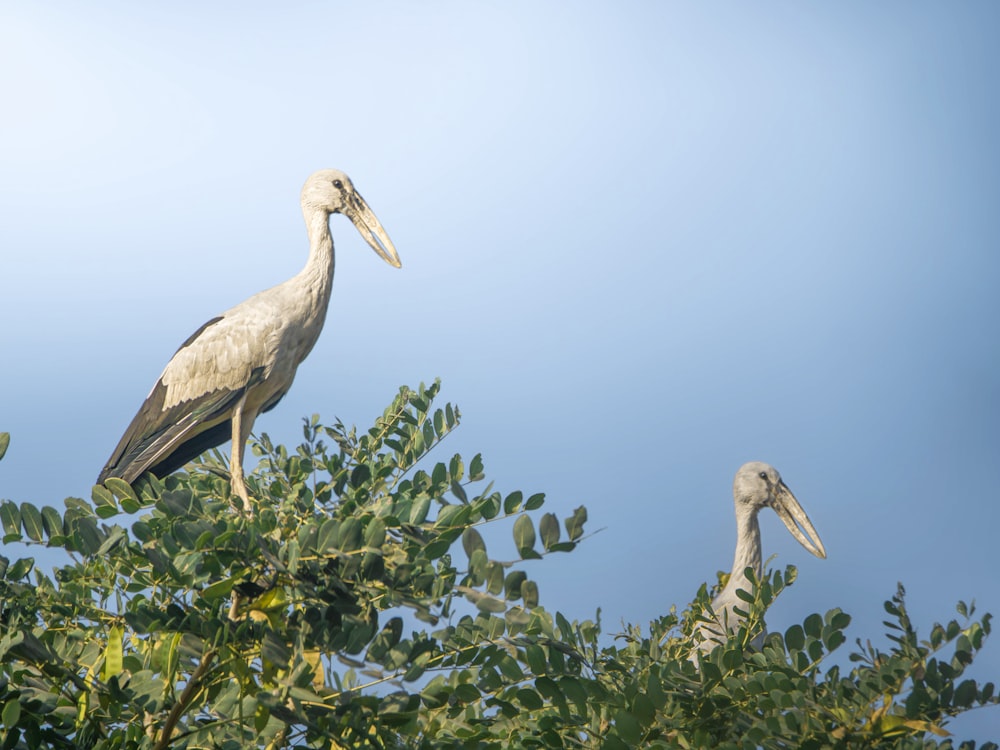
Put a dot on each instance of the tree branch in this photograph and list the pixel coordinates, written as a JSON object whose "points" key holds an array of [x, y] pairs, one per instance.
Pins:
{"points": [[184, 701]]}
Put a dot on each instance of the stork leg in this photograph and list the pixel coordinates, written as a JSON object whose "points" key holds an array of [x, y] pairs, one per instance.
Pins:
{"points": [[242, 424]]}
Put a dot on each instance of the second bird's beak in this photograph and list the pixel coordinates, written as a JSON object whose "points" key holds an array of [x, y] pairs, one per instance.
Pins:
{"points": [[371, 229], [791, 513]]}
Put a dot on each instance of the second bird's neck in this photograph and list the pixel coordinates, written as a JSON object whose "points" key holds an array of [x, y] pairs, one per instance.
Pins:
{"points": [[747, 552]]}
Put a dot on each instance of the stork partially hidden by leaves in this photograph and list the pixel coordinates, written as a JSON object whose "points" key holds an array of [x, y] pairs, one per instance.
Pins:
{"points": [[242, 362], [757, 485]]}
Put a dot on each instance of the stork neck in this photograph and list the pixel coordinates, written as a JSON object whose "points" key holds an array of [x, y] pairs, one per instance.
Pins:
{"points": [[748, 553], [318, 272]]}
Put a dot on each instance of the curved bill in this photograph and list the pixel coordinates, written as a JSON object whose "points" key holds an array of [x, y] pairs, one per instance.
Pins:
{"points": [[371, 229], [791, 513]]}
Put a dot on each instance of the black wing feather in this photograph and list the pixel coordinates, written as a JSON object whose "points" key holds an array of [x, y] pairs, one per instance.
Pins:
{"points": [[162, 440]]}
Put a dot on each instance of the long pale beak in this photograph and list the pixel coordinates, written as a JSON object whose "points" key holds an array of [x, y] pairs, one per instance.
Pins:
{"points": [[791, 513], [371, 229]]}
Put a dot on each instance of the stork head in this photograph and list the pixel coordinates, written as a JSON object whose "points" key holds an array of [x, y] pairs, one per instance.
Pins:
{"points": [[759, 485], [332, 191]]}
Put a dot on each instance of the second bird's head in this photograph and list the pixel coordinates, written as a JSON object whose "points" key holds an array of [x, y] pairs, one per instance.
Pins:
{"points": [[332, 191], [758, 485]]}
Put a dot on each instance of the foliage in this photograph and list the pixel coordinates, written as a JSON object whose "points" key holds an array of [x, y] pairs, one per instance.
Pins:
{"points": [[359, 607]]}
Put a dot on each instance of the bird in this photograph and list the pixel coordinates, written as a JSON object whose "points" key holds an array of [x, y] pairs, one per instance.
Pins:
{"points": [[757, 485], [241, 363]]}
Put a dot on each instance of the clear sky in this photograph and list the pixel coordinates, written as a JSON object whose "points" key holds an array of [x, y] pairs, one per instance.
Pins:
{"points": [[642, 243]]}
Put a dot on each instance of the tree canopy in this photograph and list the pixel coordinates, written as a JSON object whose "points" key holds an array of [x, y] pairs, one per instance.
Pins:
{"points": [[359, 607]]}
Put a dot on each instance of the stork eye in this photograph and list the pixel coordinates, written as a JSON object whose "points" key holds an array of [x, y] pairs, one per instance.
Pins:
{"points": [[338, 184], [763, 475]]}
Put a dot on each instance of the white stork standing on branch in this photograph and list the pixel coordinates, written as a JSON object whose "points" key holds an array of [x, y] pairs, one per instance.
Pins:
{"points": [[242, 362], [757, 485]]}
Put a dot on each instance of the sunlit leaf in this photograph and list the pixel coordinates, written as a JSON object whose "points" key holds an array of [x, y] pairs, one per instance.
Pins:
{"points": [[113, 652], [512, 503]]}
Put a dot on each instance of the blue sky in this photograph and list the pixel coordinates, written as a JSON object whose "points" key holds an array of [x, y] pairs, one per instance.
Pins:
{"points": [[642, 243]]}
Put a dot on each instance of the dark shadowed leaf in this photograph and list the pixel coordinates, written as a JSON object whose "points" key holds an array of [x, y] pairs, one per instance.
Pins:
{"points": [[20, 568], [51, 521], [31, 519], [535, 501], [476, 467], [10, 518]]}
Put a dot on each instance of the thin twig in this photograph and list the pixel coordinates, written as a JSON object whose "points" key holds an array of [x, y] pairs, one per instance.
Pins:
{"points": [[193, 685]]}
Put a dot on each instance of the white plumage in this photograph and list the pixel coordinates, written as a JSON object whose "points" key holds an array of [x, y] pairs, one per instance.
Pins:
{"points": [[242, 362], [757, 485]]}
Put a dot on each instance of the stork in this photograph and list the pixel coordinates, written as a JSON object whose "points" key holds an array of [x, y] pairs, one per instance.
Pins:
{"points": [[757, 485], [242, 362]]}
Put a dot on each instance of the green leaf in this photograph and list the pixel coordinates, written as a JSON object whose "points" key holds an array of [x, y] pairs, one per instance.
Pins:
{"points": [[418, 512], [574, 524], [476, 468], [573, 689], [535, 656], [472, 540], [12, 709], [628, 728], [484, 602], [51, 521], [813, 626], [494, 577], [795, 638], [220, 589], [530, 699], [31, 519], [375, 533], [535, 501], [4, 442], [513, 582], [965, 694], [466, 692], [10, 518], [360, 475], [529, 594], [113, 653], [548, 529], [103, 497], [326, 535], [510, 668], [524, 534], [122, 489], [274, 650], [512, 503], [456, 468], [20, 568], [350, 536]]}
